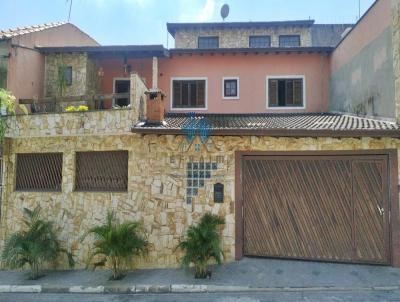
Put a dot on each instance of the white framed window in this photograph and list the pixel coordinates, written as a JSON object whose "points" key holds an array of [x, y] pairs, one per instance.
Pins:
{"points": [[286, 92], [230, 88], [189, 93]]}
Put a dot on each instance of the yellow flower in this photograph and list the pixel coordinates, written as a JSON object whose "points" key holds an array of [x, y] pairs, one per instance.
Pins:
{"points": [[83, 108], [70, 109]]}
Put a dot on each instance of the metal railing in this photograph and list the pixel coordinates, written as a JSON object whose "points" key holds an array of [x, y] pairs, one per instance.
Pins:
{"points": [[93, 102]]}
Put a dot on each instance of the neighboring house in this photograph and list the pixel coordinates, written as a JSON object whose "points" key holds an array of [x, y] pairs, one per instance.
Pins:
{"points": [[21, 64], [297, 147]]}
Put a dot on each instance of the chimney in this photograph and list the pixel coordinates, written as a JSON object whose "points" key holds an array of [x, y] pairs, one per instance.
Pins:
{"points": [[155, 106]]}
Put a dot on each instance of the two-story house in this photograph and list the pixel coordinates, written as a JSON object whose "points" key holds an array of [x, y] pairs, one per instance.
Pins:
{"points": [[289, 130], [21, 64]]}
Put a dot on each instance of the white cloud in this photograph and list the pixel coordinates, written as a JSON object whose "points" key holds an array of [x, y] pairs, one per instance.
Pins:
{"points": [[207, 11], [192, 13]]}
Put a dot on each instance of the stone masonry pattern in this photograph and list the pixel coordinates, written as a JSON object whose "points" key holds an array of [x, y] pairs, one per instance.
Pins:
{"points": [[156, 186], [239, 38]]}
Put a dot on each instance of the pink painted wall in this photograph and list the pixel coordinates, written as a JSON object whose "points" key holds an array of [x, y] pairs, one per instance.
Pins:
{"points": [[25, 78], [376, 20], [114, 68], [252, 71]]}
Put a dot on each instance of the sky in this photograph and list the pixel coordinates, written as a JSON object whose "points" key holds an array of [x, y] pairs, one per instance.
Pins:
{"points": [[122, 22]]}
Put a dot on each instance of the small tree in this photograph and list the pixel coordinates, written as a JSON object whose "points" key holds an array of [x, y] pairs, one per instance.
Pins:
{"points": [[33, 246], [116, 244], [202, 243]]}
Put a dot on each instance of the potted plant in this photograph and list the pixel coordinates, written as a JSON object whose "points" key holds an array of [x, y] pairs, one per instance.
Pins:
{"points": [[34, 245], [116, 244], [202, 243]]}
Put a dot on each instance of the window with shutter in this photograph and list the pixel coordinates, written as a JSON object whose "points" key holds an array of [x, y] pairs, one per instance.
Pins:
{"points": [[285, 92], [189, 94], [273, 93]]}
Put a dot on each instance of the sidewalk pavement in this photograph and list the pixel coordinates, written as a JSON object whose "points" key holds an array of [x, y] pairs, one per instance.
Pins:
{"points": [[247, 275]]}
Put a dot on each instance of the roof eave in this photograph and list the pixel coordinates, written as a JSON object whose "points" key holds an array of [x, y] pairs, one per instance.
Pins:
{"points": [[253, 50], [376, 133]]}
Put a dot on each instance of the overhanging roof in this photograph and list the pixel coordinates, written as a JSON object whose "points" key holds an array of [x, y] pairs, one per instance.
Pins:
{"points": [[275, 124], [138, 50], [173, 27], [268, 50]]}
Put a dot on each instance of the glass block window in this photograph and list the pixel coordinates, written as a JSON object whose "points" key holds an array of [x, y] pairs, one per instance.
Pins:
{"points": [[208, 42], [289, 41], [197, 172], [259, 41]]}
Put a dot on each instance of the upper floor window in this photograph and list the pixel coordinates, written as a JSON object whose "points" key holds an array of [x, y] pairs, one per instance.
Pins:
{"points": [[230, 88], [289, 41], [189, 93], [286, 92], [208, 42], [259, 41], [65, 73]]}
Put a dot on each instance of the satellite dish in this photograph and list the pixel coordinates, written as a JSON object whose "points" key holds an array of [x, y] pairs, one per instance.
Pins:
{"points": [[224, 11]]}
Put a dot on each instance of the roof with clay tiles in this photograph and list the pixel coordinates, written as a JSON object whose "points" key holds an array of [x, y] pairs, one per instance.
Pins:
{"points": [[10, 33]]}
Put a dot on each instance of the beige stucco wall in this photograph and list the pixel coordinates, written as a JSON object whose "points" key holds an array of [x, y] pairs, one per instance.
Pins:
{"points": [[239, 38], [156, 187]]}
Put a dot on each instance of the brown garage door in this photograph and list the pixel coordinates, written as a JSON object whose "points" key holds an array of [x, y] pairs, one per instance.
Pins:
{"points": [[316, 207]]}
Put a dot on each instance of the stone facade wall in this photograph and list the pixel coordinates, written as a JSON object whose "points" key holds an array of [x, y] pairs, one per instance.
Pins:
{"points": [[138, 98], [239, 38], [106, 122], [157, 186], [79, 73], [396, 53], [93, 81]]}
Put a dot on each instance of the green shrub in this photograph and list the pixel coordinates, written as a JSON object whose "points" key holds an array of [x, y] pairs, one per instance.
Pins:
{"points": [[116, 244], [202, 243], [33, 246]]}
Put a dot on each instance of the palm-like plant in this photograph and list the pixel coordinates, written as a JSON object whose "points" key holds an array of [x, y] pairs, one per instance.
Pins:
{"points": [[203, 242], [33, 246], [116, 243]]}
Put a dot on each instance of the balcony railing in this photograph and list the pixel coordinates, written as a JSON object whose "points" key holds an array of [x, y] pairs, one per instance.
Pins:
{"points": [[60, 104]]}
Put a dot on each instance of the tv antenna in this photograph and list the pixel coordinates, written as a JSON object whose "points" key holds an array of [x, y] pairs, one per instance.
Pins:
{"points": [[224, 11]]}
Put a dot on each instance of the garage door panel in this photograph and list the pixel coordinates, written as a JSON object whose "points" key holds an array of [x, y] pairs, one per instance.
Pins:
{"points": [[370, 211], [304, 207], [278, 203]]}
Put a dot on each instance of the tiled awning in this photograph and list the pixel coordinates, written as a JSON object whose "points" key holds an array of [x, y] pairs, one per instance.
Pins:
{"points": [[292, 124]]}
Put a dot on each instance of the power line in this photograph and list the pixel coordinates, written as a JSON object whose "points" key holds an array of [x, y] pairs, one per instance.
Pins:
{"points": [[70, 8]]}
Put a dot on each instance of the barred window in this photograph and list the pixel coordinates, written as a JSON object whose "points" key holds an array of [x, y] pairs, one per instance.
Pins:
{"points": [[259, 41], [39, 172], [102, 171], [289, 41], [208, 42]]}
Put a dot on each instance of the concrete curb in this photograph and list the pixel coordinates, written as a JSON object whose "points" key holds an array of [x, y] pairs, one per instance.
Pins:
{"points": [[176, 288]]}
